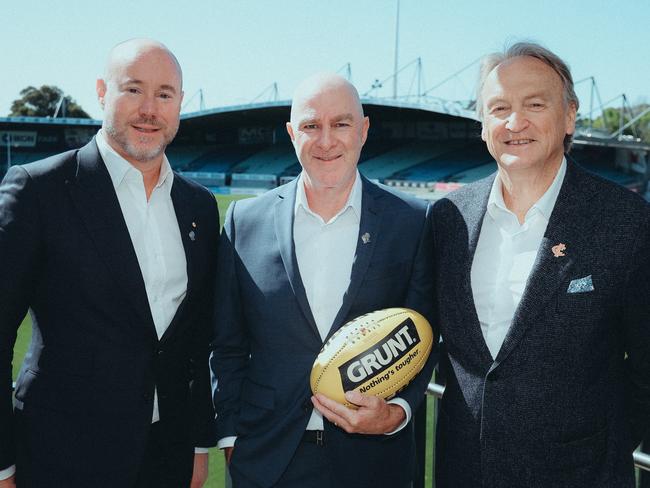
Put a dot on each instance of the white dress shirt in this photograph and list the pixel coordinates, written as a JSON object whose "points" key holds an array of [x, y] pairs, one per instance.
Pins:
{"points": [[156, 239], [504, 257], [325, 254], [155, 235]]}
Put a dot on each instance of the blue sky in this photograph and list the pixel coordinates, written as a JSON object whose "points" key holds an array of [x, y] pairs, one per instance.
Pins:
{"points": [[235, 49]]}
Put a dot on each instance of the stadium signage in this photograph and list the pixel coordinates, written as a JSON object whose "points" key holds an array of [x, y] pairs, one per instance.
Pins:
{"points": [[256, 135], [18, 138]]}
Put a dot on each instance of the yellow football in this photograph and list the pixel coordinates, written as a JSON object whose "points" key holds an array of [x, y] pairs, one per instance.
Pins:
{"points": [[377, 354]]}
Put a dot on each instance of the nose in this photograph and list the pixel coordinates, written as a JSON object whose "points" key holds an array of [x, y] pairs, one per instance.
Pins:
{"points": [[148, 106], [516, 122], [326, 138]]}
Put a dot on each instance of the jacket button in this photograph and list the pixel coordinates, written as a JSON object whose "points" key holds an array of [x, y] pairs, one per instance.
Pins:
{"points": [[307, 406], [146, 397]]}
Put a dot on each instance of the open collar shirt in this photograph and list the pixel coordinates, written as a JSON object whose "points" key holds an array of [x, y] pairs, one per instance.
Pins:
{"points": [[504, 257]]}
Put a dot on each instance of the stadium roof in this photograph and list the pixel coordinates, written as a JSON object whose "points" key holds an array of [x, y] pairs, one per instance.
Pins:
{"points": [[430, 105]]}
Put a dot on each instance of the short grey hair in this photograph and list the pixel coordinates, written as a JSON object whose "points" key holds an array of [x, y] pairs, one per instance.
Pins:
{"points": [[533, 50]]}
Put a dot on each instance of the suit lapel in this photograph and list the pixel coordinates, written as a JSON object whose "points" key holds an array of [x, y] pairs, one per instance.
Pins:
{"points": [[568, 224], [473, 210], [96, 202], [284, 217], [369, 226], [182, 198]]}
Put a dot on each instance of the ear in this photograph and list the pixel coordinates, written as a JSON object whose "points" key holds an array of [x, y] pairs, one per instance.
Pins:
{"points": [[571, 118], [364, 129], [290, 132], [483, 133], [100, 89]]}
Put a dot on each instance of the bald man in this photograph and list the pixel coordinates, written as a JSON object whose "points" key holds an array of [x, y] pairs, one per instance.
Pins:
{"points": [[114, 255], [296, 264]]}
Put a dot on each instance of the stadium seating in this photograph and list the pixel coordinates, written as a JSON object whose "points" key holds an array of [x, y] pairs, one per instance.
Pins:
{"points": [[181, 157], [271, 161], [222, 159], [405, 156], [443, 166]]}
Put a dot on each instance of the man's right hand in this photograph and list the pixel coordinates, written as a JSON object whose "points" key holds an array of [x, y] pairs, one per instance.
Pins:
{"points": [[9, 482], [227, 452]]}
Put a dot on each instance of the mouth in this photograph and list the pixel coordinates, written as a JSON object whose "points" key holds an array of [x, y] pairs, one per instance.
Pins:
{"points": [[328, 158], [146, 129], [519, 142]]}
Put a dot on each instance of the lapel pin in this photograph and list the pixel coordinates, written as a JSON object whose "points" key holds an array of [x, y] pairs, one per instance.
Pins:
{"points": [[558, 250], [365, 238], [194, 224], [192, 235]]}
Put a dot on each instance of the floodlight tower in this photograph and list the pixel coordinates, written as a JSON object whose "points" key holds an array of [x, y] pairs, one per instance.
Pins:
{"points": [[395, 65]]}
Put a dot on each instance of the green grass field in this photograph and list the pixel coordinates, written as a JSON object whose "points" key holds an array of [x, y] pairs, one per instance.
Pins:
{"points": [[216, 478]]}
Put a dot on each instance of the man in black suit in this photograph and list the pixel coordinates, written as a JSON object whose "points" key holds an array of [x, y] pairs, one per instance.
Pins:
{"points": [[295, 264], [114, 255], [543, 285]]}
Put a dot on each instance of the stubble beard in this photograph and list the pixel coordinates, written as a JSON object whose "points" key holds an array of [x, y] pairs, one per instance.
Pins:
{"points": [[134, 151]]}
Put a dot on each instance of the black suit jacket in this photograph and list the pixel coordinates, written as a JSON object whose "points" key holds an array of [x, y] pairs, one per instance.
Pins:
{"points": [[568, 395], [266, 337], [85, 391]]}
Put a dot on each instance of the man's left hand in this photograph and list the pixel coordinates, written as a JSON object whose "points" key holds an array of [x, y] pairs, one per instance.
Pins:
{"points": [[374, 415], [200, 472]]}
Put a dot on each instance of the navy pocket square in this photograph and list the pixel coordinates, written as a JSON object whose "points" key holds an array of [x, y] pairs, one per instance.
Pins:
{"points": [[581, 285]]}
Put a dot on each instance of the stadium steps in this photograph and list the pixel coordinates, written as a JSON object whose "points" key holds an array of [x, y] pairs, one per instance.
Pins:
{"points": [[24, 157], [397, 160], [223, 159], [272, 161], [180, 157], [444, 166], [474, 174]]}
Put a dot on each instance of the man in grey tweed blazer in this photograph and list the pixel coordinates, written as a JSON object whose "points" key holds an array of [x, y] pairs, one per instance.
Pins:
{"points": [[543, 292]]}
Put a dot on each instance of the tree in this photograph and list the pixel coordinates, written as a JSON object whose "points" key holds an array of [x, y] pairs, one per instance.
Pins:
{"points": [[43, 102], [610, 119]]}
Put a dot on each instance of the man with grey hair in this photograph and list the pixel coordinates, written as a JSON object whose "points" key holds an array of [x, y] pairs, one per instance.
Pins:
{"points": [[114, 255], [542, 299], [295, 264]]}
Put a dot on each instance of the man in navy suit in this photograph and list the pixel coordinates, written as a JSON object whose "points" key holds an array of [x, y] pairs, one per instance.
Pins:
{"points": [[295, 264], [114, 254], [543, 285]]}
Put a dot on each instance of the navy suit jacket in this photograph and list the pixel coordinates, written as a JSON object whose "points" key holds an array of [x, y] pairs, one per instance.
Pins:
{"points": [[85, 391], [568, 395], [266, 339]]}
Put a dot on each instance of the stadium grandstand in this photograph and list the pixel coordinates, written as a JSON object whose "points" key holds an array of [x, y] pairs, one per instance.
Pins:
{"points": [[423, 148]]}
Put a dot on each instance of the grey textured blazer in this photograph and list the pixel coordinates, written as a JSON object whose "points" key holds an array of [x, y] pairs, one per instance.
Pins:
{"points": [[568, 396]]}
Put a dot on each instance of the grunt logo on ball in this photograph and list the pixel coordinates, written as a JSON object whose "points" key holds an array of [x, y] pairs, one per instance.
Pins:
{"points": [[380, 357]]}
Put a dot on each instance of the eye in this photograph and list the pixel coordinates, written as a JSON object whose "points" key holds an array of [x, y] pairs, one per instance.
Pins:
{"points": [[309, 126], [132, 90], [342, 124], [498, 109], [165, 96], [536, 105]]}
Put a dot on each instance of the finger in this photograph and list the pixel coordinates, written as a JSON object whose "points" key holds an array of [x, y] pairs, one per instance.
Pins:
{"points": [[340, 410], [331, 415], [368, 401]]}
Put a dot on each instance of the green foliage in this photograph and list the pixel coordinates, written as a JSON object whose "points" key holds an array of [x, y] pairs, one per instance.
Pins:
{"points": [[43, 101], [611, 117]]}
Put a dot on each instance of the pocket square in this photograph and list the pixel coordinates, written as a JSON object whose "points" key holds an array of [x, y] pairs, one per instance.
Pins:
{"points": [[581, 285]]}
